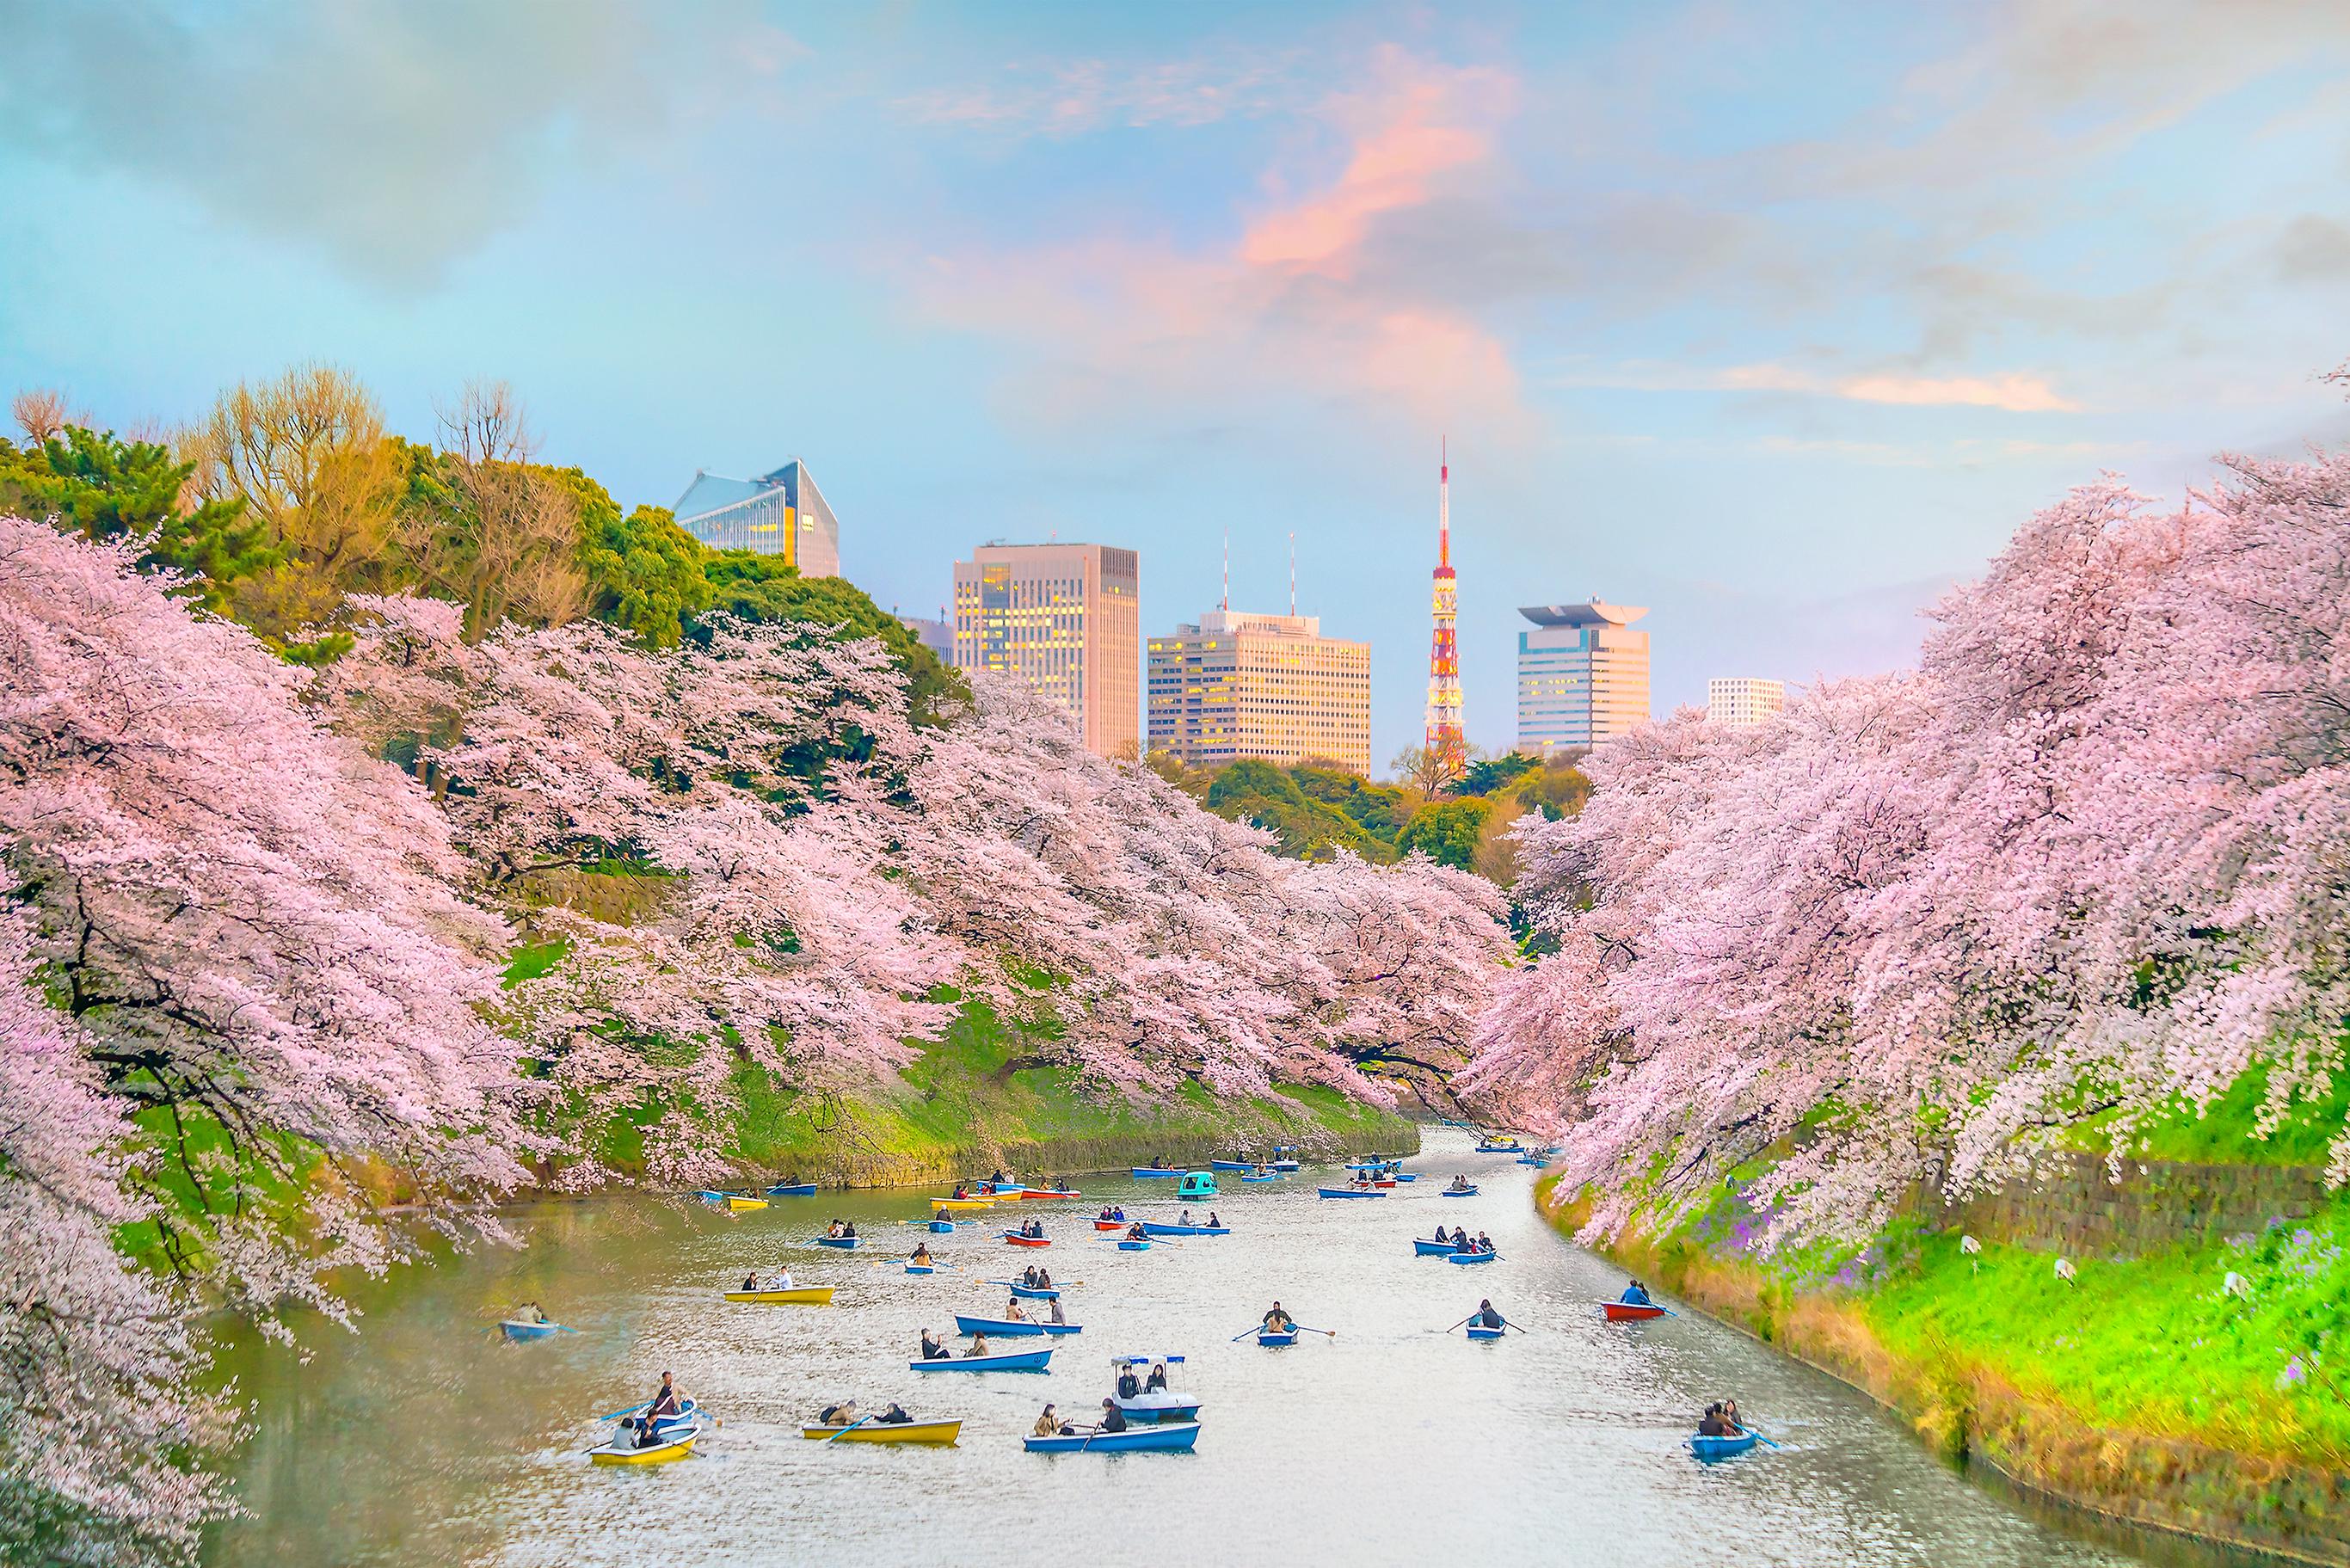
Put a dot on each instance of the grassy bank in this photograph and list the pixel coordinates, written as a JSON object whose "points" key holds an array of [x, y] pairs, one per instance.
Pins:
{"points": [[2145, 1389]]}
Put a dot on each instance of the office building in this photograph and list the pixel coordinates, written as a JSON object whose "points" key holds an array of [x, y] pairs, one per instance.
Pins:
{"points": [[1065, 620], [938, 636], [1741, 700], [1583, 675], [778, 513], [1270, 687]]}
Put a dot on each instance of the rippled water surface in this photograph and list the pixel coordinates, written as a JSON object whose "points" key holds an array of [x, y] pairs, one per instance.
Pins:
{"points": [[425, 1441]]}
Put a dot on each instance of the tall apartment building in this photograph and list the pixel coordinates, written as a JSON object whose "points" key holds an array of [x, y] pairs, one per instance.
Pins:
{"points": [[1270, 687], [1065, 618], [1741, 700], [1583, 674], [778, 513]]}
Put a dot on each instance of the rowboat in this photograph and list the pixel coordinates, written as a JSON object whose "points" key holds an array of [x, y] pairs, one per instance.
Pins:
{"points": [[1005, 1326], [1052, 1192], [792, 1190], [1166, 1435], [1015, 1239], [884, 1432], [1532, 1160], [1384, 1182], [521, 1331], [1134, 1246], [1479, 1332], [1232, 1165], [1270, 1337], [1460, 1193], [1010, 1361], [1711, 1449], [1407, 1176], [943, 1227], [1109, 1224], [844, 1242], [809, 1295], [1350, 1191], [1002, 1190], [1275, 1176], [1472, 1257], [1153, 1172], [618, 1451], [1629, 1312], [1286, 1166], [1423, 1247], [737, 1200], [1155, 1227], [1029, 1293], [1157, 1405], [921, 1268], [1511, 1148], [960, 1205]]}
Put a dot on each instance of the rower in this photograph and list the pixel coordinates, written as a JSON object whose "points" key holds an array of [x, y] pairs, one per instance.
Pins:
{"points": [[941, 1217], [1711, 1425], [921, 1252], [1278, 1321], [978, 1347], [1487, 1317], [664, 1404], [1729, 1418], [1635, 1293], [1012, 1313], [1135, 1232], [1184, 1218], [848, 1229], [1113, 1418], [841, 1414], [1484, 1242], [1043, 1279], [895, 1415], [933, 1349]]}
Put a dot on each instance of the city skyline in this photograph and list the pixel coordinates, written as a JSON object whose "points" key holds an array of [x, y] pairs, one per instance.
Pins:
{"points": [[1122, 273]]}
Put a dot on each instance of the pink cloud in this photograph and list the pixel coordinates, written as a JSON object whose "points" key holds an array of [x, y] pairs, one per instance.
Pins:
{"points": [[2018, 393]]}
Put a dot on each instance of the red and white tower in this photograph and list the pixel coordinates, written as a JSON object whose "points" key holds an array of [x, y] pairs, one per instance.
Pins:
{"points": [[1445, 738]]}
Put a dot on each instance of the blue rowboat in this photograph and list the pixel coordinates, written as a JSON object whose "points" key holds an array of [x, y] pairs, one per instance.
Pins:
{"points": [[1134, 1246], [1423, 1247], [1031, 1292], [1275, 1176], [1010, 1361], [1153, 1228], [1151, 1172], [1711, 1449], [792, 1190], [849, 1242], [518, 1331], [943, 1227], [1232, 1165], [1513, 1147], [1350, 1192], [1286, 1166], [1268, 1338], [1405, 1175], [1477, 1332], [1008, 1326], [1472, 1257], [1166, 1435], [921, 1268], [1460, 1193], [1000, 1190], [1532, 1160]]}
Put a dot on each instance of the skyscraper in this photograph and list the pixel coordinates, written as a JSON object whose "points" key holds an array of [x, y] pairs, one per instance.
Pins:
{"points": [[1742, 700], [1445, 738], [1583, 675], [778, 513], [1065, 620], [1270, 687]]}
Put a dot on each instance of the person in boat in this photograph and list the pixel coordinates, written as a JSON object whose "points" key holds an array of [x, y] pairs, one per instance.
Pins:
{"points": [[841, 1414], [1184, 1218], [960, 1191], [922, 1253], [1158, 1380], [1484, 1242], [1711, 1424], [1043, 1279], [1012, 1313], [833, 1229], [751, 1281], [999, 1179], [1279, 1321], [1105, 1214], [1486, 1316], [895, 1415], [848, 1230], [933, 1349], [1729, 1418], [1113, 1418], [1135, 1232], [941, 1214], [1055, 1304], [1214, 1223], [978, 1348], [1130, 1386], [530, 1312], [1459, 1184], [1262, 1169], [1636, 1295], [1047, 1425], [665, 1404]]}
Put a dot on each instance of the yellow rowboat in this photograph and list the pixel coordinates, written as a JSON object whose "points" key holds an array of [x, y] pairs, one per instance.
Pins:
{"points": [[733, 1203], [616, 1452], [812, 1295], [903, 1432], [958, 1205]]}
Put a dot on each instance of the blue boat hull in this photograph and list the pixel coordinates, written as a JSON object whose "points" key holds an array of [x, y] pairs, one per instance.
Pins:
{"points": [[1711, 1449], [1232, 1165], [966, 1324], [1472, 1257], [1286, 1165], [524, 1331], [1151, 1173], [1460, 1193], [1347, 1192], [1274, 1177], [1405, 1175], [1167, 1435], [1477, 1332], [921, 1268], [1134, 1246], [845, 1243], [943, 1227], [1150, 1228], [1421, 1248], [1268, 1338], [1017, 1361], [1034, 1293], [793, 1190]]}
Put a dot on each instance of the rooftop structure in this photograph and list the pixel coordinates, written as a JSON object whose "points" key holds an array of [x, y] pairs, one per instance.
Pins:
{"points": [[1583, 674], [778, 513]]}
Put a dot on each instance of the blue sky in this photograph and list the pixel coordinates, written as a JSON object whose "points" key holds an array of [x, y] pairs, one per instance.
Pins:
{"points": [[1773, 318]]}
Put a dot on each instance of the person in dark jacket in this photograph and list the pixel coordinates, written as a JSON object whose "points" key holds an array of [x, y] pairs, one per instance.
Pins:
{"points": [[1113, 1418]]}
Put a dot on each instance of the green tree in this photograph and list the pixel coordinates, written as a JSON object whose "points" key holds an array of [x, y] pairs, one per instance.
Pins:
{"points": [[1447, 831], [644, 571], [108, 488], [1268, 796], [1487, 774], [763, 589]]}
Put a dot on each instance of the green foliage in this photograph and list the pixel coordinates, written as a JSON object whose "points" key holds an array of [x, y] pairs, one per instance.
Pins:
{"points": [[108, 488], [644, 571], [1271, 797], [1488, 775], [763, 589], [1381, 810], [2226, 1132], [1447, 831], [1559, 789]]}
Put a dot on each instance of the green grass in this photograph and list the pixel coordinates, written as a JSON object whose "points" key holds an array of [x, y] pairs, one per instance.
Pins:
{"points": [[2225, 1131]]}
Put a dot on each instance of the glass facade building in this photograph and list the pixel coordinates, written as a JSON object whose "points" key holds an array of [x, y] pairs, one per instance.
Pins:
{"points": [[1583, 675], [1742, 701], [1269, 687], [1066, 620], [778, 513]]}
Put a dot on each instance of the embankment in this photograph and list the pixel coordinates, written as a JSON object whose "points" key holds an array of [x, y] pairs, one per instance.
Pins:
{"points": [[2144, 1389]]}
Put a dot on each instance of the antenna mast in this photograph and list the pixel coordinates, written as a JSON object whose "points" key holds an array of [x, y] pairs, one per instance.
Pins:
{"points": [[1292, 573]]}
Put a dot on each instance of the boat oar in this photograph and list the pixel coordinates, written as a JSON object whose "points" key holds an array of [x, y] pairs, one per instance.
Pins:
{"points": [[1757, 1436], [1455, 1325], [1252, 1328], [629, 1411], [1507, 1323], [1303, 1329], [846, 1430]]}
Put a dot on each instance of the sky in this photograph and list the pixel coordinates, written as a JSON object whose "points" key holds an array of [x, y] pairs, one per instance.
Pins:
{"points": [[1776, 319]]}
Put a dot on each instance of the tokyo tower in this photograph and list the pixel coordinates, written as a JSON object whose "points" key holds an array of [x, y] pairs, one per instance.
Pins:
{"points": [[1445, 740]]}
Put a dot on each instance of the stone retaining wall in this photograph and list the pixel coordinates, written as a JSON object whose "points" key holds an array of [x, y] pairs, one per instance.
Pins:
{"points": [[2072, 1206]]}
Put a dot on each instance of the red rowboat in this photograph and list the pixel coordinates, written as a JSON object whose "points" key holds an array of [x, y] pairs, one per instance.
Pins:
{"points": [[1026, 1240], [1048, 1192], [1109, 1224], [1629, 1312]]}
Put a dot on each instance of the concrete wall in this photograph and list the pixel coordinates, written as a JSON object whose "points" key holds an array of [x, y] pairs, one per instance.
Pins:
{"points": [[2072, 1206]]}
